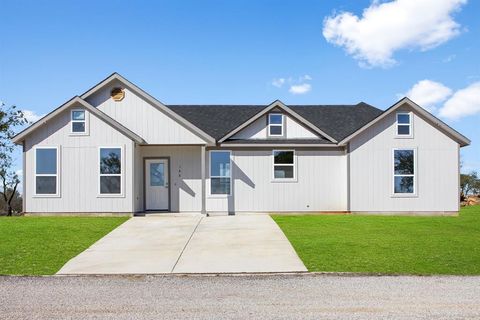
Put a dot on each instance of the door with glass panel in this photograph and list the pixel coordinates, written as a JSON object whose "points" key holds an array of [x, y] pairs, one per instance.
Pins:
{"points": [[156, 184]]}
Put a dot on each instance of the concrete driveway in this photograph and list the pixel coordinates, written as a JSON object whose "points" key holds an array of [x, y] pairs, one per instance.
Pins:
{"points": [[189, 244]]}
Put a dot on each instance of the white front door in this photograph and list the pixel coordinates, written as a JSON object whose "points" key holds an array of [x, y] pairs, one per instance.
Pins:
{"points": [[156, 184]]}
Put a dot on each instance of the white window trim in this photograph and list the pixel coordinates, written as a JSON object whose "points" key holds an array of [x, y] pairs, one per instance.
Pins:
{"points": [[294, 165], [121, 175], [414, 175], [35, 175], [409, 124], [86, 121], [282, 125], [210, 174]]}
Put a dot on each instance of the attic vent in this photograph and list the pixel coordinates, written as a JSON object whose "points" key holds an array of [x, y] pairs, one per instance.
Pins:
{"points": [[117, 94]]}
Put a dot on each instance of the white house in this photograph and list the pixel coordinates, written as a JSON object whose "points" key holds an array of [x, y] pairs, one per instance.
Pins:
{"points": [[117, 150]]}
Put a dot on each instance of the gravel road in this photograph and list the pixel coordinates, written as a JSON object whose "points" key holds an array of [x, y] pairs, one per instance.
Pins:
{"points": [[239, 297]]}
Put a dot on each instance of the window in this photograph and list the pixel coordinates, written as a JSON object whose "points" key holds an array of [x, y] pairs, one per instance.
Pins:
{"points": [[46, 171], [220, 172], [404, 171], [283, 164], [275, 124], [110, 171], [404, 124], [79, 122], [157, 174]]}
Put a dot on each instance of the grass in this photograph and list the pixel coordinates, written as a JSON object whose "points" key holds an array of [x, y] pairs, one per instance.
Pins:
{"points": [[42, 245], [390, 245]]}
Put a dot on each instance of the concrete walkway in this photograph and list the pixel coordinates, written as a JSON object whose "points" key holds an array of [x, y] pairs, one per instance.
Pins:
{"points": [[189, 244]]}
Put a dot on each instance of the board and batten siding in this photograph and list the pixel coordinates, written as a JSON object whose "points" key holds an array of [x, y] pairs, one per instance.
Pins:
{"points": [[153, 125], [258, 130], [78, 167], [321, 183], [371, 168], [185, 176]]}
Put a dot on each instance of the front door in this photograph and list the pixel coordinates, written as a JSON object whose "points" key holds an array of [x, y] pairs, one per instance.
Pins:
{"points": [[156, 184]]}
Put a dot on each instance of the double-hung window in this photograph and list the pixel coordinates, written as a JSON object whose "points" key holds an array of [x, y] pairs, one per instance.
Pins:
{"points": [[404, 124], [78, 121], [404, 168], [284, 165], [220, 173], [46, 171], [275, 124], [110, 171]]}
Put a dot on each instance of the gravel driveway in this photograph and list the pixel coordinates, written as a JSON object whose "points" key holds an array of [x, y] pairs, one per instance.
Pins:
{"points": [[239, 297], [189, 244]]}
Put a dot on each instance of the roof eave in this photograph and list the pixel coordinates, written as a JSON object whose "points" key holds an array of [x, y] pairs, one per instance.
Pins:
{"points": [[279, 146]]}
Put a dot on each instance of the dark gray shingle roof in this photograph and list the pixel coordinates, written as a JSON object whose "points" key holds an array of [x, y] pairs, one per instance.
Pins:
{"points": [[338, 121]]}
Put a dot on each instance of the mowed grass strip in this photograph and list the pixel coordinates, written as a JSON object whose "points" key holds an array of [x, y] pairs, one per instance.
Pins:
{"points": [[385, 244], [42, 245]]}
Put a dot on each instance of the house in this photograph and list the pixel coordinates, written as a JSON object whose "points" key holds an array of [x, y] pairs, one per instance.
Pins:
{"points": [[117, 150]]}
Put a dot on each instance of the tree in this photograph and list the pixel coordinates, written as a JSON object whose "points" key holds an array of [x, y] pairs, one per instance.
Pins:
{"points": [[469, 183], [10, 117], [476, 187]]}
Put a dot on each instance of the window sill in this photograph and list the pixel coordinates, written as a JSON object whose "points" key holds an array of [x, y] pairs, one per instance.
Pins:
{"points": [[284, 180], [79, 134], [46, 196], [404, 195], [404, 137], [110, 196], [219, 196]]}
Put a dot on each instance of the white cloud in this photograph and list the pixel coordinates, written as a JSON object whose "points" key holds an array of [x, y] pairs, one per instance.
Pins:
{"points": [[386, 27], [278, 82], [296, 85], [428, 93], [306, 78], [463, 103], [31, 116], [19, 172], [450, 58], [300, 88]]}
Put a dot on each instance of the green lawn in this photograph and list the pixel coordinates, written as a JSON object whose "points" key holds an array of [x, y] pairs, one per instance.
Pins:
{"points": [[42, 245], [393, 245]]}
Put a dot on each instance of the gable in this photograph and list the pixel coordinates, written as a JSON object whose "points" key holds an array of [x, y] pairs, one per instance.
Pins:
{"points": [[407, 104], [51, 121], [279, 106], [58, 131], [383, 135], [141, 117], [259, 130]]}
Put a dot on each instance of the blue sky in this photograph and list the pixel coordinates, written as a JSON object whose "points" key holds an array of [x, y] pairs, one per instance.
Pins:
{"points": [[249, 52]]}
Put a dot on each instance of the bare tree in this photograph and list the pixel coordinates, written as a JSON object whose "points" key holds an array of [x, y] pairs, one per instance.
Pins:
{"points": [[10, 117], [10, 182]]}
